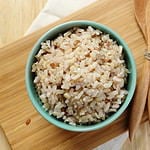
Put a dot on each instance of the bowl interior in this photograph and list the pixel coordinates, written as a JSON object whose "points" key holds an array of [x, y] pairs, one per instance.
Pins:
{"points": [[51, 34]]}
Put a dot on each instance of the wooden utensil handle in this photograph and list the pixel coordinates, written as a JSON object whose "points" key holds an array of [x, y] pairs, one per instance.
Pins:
{"points": [[148, 50], [148, 102], [139, 100]]}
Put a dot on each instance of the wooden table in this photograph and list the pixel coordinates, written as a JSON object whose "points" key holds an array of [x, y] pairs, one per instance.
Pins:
{"points": [[14, 21]]}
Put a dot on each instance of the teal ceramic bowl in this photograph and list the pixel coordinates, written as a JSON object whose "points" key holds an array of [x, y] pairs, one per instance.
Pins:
{"points": [[51, 34]]}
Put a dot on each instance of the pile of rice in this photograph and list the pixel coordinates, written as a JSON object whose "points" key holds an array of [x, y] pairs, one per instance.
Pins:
{"points": [[80, 76]]}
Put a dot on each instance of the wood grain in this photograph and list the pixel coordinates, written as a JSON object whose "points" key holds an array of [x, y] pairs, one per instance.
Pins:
{"points": [[15, 107], [4, 145], [16, 16]]}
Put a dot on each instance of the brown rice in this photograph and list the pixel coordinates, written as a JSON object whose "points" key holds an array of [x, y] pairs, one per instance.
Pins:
{"points": [[80, 76]]}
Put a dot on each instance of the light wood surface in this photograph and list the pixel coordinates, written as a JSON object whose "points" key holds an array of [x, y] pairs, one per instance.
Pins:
{"points": [[15, 108], [4, 145], [16, 16]]}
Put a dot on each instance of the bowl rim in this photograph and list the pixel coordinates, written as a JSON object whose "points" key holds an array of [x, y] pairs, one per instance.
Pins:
{"points": [[55, 121]]}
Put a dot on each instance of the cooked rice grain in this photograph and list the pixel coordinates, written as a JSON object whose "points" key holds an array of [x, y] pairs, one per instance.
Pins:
{"points": [[80, 76]]}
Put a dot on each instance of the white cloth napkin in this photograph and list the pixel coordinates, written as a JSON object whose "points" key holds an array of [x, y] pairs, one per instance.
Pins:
{"points": [[53, 11]]}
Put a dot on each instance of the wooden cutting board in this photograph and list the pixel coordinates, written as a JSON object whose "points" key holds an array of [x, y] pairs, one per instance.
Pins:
{"points": [[23, 126]]}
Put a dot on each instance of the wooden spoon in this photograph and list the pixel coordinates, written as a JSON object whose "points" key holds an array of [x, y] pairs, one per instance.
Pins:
{"points": [[147, 54], [139, 9], [141, 14]]}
